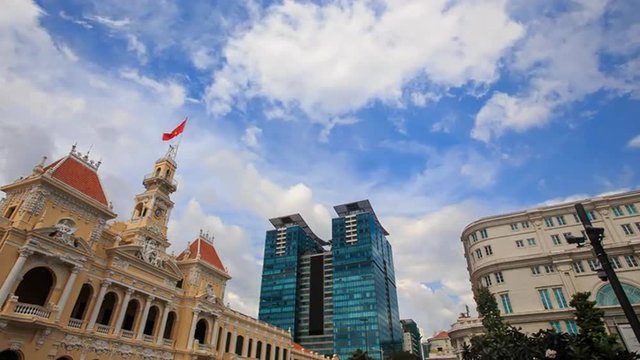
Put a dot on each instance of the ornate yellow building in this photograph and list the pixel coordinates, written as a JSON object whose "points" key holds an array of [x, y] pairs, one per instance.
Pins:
{"points": [[77, 285]]}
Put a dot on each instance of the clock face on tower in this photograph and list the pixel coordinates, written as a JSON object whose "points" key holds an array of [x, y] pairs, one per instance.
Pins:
{"points": [[159, 212]]}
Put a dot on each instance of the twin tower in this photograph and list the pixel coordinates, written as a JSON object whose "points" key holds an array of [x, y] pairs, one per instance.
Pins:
{"points": [[334, 296]]}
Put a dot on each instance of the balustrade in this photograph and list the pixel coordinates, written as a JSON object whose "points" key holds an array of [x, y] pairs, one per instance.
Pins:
{"points": [[167, 342], [127, 334], [148, 338], [33, 310], [103, 329], [75, 323]]}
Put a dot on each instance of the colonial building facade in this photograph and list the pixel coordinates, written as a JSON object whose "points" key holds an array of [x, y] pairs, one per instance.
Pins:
{"points": [[526, 262], [78, 285]]}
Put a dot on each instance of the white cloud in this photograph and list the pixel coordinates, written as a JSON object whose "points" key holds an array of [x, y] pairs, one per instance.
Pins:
{"points": [[423, 98], [341, 56], [635, 142], [329, 125], [251, 136], [445, 125], [134, 44], [117, 24], [560, 57], [173, 92]]}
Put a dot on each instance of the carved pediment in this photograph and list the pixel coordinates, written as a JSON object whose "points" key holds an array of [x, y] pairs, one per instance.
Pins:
{"points": [[61, 235], [132, 254]]}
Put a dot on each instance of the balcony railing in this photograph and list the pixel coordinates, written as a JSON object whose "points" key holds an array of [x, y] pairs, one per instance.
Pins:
{"points": [[75, 323], [32, 309], [161, 177], [148, 338], [167, 342], [127, 334], [103, 329], [204, 347]]}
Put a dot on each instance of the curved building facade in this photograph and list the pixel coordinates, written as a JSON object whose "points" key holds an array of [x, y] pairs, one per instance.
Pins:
{"points": [[526, 262]]}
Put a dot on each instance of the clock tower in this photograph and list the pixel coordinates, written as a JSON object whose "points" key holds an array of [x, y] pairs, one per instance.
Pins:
{"points": [[152, 208]]}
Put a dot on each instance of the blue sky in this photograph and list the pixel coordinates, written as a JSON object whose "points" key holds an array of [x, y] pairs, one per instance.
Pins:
{"points": [[439, 112]]}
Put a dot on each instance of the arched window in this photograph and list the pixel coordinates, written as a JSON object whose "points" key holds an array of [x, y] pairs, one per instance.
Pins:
{"points": [[144, 212], [151, 320], [239, 344], [10, 355], [166, 174], [218, 339], [227, 343], [106, 309], [10, 212], [82, 302], [130, 315], [137, 212], [277, 352], [201, 331], [249, 347], [606, 296], [168, 329], [268, 354], [259, 350], [158, 172], [36, 286]]}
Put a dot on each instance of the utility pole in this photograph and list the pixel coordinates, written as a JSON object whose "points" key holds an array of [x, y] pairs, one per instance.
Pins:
{"points": [[595, 236]]}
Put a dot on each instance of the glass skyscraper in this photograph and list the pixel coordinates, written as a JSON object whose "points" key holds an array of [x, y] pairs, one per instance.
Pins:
{"points": [[335, 296]]}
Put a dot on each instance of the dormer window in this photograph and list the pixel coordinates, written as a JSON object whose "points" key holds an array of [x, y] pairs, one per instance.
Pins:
{"points": [[158, 172]]}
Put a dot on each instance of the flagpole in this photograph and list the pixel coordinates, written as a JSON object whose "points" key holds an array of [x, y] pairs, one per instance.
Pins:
{"points": [[186, 119]]}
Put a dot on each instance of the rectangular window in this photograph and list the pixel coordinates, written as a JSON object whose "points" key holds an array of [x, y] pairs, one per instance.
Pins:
{"points": [[487, 280], [519, 243], [638, 226], [488, 250], [617, 211], [628, 230], [479, 253], [499, 277], [556, 326], [631, 209], [525, 224], [576, 218], [591, 215], [577, 267], [572, 328], [549, 269], [615, 262], [546, 300], [562, 302], [474, 237], [514, 226], [556, 240], [484, 234], [531, 242], [560, 220], [535, 270], [548, 221], [631, 260], [594, 264], [506, 303]]}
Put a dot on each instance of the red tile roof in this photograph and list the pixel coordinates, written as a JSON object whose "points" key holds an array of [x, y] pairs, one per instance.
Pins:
{"points": [[79, 176], [298, 347], [441, 334], [207, 253]]}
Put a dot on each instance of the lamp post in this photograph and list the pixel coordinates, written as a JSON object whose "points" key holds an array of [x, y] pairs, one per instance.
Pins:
{"points": [[366, 335], [595, 236]]}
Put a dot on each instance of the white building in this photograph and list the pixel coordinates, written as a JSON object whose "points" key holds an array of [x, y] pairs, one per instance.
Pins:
{"points": [[526, 262]]}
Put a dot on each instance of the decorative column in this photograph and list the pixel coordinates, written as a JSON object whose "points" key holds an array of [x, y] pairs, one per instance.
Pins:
{"points": [[245, 347], [232, 343], [145, 315], [98, 304], [254, 349], [214, 334], [194, 320], [123, 311], [223, 342], [273, 351], [163, 324], [67, 290], [13, 274]]}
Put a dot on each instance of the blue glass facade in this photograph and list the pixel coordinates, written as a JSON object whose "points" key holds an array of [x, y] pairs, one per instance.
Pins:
{"points": [[340, 301], [279, 303], [365, 300]]}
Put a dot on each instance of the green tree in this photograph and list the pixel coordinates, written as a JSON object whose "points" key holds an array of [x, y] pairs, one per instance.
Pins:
{"points": [[359, 355]]}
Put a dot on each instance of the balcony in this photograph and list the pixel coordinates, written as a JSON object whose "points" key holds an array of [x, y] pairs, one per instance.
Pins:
{"points": [[153, 178], [203, 347], [148, 338], [126, 334], [103, 329], [167, 342], [75, 323], [32, 310]]}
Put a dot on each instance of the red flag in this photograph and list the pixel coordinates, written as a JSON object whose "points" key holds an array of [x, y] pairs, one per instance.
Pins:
{"points": [[177, 131]]}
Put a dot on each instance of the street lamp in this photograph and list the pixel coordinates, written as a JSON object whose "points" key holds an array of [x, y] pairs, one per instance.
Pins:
{"points": [[366, 335], [595, 236]]}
